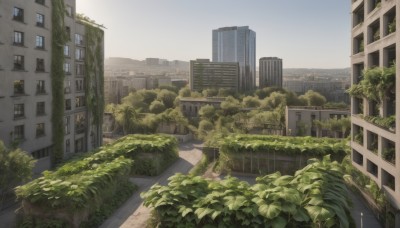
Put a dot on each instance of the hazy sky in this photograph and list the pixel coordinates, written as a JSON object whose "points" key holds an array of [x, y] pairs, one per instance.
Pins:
{"points": [[304, 33]]}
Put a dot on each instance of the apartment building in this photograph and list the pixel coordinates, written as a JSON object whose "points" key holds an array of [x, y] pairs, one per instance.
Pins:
{"points": [[300, 121], [270, 72], [376, 148], [218, 75], [49, 94]]}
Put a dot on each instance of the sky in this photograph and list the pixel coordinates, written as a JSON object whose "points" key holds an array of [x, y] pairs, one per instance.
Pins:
{"points": [[304, 33]]}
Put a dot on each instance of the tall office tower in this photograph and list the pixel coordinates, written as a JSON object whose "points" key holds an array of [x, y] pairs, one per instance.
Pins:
{"points": [[375, 146], [51, 70], [270, 72], [237, 44], [211, 75]]}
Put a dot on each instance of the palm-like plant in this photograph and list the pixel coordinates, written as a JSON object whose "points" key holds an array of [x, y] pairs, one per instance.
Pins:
{"points": [[126, 117]]}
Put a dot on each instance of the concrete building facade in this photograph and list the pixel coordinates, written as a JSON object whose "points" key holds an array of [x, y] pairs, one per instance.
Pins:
{"points": [[26, 90], [270, 72], [376, 150], [217, 75], [300, 120], [237, 44], [191, 106]]}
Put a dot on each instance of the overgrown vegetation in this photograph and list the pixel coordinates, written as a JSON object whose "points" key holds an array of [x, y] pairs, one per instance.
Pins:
{"points": [[75, 191], [376, 83], [94, 73], [15, 167], [59, 39], [315, 196], [266, 154]]}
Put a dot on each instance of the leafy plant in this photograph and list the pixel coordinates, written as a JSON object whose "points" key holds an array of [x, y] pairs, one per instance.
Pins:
{"points": [[376, 83], [315, 196]]}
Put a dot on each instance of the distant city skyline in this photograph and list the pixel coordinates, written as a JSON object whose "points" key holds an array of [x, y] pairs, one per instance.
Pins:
{"points": [[305, 34]]}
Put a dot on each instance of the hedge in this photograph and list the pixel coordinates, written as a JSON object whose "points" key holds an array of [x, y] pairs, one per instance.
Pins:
{"points": [[77, 189], [267, 154]]}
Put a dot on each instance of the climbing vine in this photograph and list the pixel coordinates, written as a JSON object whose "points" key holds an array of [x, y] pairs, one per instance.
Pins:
{"points": [[94, 72], [59, 38]]}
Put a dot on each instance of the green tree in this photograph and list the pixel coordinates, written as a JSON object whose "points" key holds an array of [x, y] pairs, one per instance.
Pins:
{"points": [[135, 100], [126, 117], [148, 96], [205, 127], [251, 102], [314, 98], [226, 92], [273, 101], [230, 106], [210, 92], [185, 92], [207, 112], [157, 107], [15, 167], [167, 98], [169, 88]]}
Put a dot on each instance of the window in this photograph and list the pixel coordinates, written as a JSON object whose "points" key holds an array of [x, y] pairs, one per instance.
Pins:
{"points": [[67, 124], [66, 50], [19, 111], [68, 104], [40, 108], [67, 86], [39, 20], [80, 123], [19, 62], [41, 2], [40, 130], [68, 32], [79, 54], [42, 153], [79, 145], [67, 68], [40, 42], [79, 85], [19, 132], [80, 101], [40, 87], [18, 38], [18, 14], [80, 69], [67, 146], [69, 11], [40, 65], [78, 39], [19, 87]]}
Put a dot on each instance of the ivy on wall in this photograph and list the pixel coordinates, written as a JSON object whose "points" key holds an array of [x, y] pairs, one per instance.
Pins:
{"points": [[59, 38], [94, 73]]}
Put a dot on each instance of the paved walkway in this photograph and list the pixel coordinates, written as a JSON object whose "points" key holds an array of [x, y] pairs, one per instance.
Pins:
{"points": [[133, 214]]}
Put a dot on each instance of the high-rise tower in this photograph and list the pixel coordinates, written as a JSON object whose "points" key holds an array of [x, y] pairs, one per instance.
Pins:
{"points": [[270, 72], [237, 44]]}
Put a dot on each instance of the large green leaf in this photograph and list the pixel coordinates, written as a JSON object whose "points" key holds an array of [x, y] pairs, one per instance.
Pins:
{"points": [[270, 211], [235, 202], [318, 213]]}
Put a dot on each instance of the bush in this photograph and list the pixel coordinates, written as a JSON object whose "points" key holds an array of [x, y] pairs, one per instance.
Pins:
{"points": [[315, 196]]}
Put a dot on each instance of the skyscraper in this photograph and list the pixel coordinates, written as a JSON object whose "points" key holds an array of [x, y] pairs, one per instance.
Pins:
{"points": [[376, 146], [270, 72], [237, 44], [51, 70]]}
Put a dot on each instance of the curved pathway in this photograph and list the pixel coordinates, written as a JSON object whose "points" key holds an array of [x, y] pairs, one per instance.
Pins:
{"points": [[132, 213]]}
